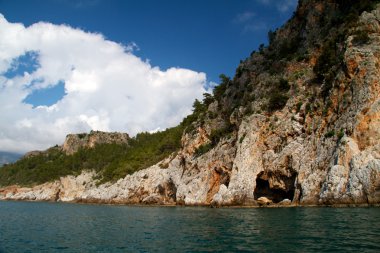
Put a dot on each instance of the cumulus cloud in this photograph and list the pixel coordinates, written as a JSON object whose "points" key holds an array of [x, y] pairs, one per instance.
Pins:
{"points": [[107, 87]]}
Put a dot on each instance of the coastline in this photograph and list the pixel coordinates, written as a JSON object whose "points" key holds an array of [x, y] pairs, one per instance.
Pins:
{"points": [[248, 206]]}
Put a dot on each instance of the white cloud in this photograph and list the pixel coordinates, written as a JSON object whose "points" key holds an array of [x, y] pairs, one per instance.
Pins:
{"points": [[286, 5], [280, 5], [131, 47], [244, 17], [107, 87]]}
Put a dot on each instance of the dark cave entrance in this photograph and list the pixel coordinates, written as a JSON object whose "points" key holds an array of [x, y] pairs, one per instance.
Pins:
{"points": [[283, 187]]}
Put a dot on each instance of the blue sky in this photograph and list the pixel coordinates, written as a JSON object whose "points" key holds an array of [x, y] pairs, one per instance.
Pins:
{"points": [[74, 66]]}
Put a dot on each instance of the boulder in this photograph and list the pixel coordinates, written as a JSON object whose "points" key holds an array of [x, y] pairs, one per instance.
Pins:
{"points": [[264, 201]]}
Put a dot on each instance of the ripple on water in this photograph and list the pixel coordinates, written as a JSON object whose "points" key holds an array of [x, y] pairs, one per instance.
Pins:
{"points": [[58, 227]]}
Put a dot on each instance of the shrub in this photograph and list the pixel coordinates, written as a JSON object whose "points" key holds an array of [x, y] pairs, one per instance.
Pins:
{"points": [[221, 88], [219, 133], [212, 115], [328, 58], [82, 135], [330, 134], [271, 36], [298, 106], [164, 165], [308, 108], [261, 48], [361, 37], [203, 149], [340, 134], [327, 106], [198, 107], [289, 47], [350, 10], [214, 137], [207, 99], [277, 101], [242, 138], [248, 110], [239, 71], [283, 85]]}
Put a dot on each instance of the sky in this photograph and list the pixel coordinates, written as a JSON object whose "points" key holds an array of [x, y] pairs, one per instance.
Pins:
{"points": [[70, 66]]}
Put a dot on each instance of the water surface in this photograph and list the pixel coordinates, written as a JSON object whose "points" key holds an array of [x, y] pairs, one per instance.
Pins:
{"points": [[59, 227]]}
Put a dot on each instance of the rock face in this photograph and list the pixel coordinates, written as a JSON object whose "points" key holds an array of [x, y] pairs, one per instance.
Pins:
{"points": [[316, 150], [75, 141]]}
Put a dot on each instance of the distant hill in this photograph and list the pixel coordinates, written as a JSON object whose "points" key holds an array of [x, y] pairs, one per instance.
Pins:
{"points": [[6, 157]]}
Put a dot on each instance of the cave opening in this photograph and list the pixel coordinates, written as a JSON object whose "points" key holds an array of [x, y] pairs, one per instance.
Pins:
{"points": [[283, 187]]}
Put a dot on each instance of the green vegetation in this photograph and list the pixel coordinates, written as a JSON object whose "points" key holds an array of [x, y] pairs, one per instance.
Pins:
{"points": [[283, 85], [327, 65], [330, 60], [242, 138], [271, 36], [112, 161], [298, 106], [82, 135], [350, 10], [361, 37], [215, 136], [277, 96], [288, 48], [221, 88], [340, 134], [203, 149], [219, 133], [277, 101], [145, 150], [308, 108], [200, 107], [330, 134], [328, 104]]}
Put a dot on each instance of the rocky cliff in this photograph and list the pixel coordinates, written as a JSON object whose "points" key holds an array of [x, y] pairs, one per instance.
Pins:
{"points": [[298, 125], [74, 142]]}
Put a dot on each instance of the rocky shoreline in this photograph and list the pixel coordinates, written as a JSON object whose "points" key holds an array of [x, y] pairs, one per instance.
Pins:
{"points": [[207, 206]]}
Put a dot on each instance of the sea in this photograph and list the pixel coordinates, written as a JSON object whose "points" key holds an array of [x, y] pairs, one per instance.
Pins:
{"points": [[63, 227]]}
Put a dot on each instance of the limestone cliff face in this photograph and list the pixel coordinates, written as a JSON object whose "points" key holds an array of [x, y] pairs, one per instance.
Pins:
{"points": [[315, 150], [75, 141]]}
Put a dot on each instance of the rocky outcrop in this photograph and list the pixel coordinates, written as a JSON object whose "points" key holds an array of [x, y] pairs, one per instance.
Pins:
{"points": [[66, 189], [74, 142], [316, 150]]}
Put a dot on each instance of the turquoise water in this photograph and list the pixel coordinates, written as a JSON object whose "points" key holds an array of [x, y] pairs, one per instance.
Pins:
{"points": [[58, 227]]}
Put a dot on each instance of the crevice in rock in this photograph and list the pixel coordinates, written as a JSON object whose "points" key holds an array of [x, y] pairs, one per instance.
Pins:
{"points": [[168, 191], [299, 193], [56, 198], [182, 163], [171, 190], [224, 175], [275, 186]]}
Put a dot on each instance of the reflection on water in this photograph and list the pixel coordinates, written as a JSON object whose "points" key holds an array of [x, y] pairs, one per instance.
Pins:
{"points": [[57, 227]]}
